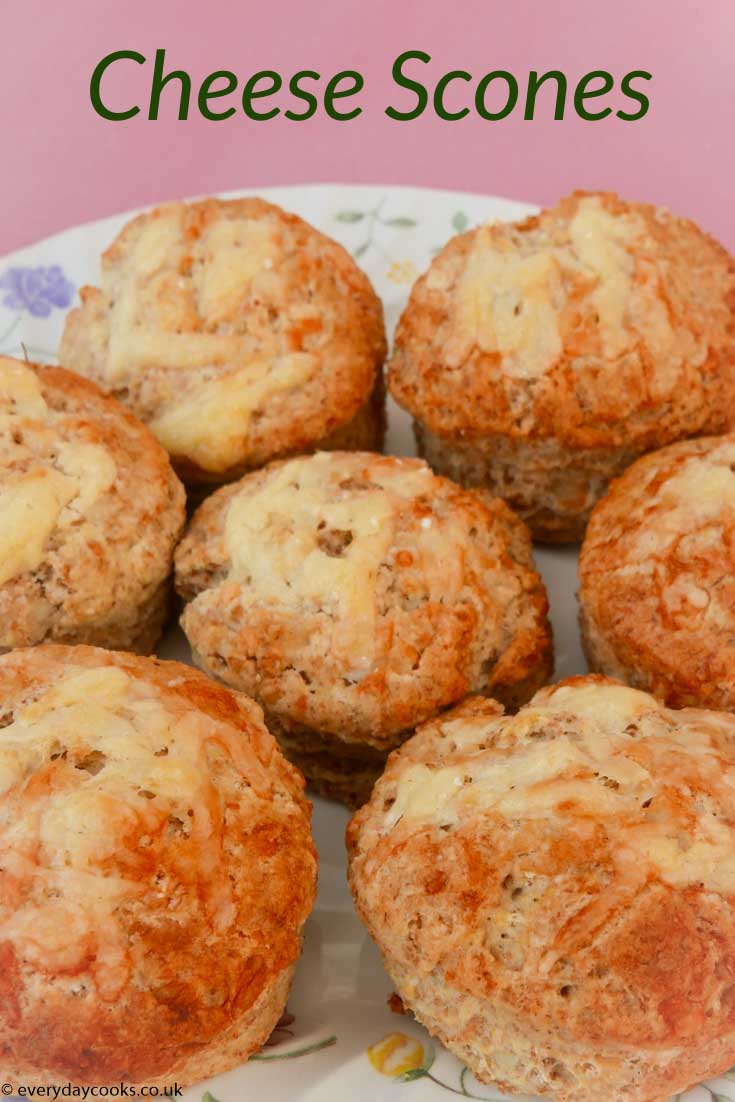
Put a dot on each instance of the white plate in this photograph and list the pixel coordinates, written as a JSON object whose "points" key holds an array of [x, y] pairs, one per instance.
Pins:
{"points": [[339, 1000]]}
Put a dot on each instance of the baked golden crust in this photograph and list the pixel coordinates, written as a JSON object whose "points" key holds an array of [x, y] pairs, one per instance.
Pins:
{"points": [[598, 323], [657, 575], [357, 594], [552, 488], [236, 331], [553, 892], [90, 510], [157, 869]]}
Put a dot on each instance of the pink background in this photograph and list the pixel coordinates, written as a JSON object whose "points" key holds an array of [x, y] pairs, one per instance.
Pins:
{"points": [[62, 164]]}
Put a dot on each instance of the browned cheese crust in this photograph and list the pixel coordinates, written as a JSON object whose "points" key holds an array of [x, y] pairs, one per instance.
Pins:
{"points": [[545, 355], [553, 892], [355, 595], [657, 575], [90, 511], [235, 330], [157, 869]]}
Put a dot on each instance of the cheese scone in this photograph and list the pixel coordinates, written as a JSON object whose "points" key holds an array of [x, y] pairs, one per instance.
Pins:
{"points": [[237, 332], [540, 358], [657, 575], [356, 595], [553, 892], [90, 510], [157, 870]]}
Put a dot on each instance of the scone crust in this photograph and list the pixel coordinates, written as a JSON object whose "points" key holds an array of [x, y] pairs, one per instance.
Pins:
{"points": [[153, 939], [657, 575], [451, 603], [102, 575], [303, 305], [551, 487], [632, 394], [552, 925]]}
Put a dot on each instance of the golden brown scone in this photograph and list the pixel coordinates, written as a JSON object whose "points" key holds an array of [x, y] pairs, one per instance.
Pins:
{"points": [[356, 595], [237, 332], [539, 359], [657, 575], [157, 869], [90, 510], [553, 892]]}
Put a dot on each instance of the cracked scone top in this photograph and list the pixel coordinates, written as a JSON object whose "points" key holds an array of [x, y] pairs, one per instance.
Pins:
{"points": [[540, 358], [354, 595], [157, 868], [237, 332], [90, 510], [657, 575], [553, 892]]}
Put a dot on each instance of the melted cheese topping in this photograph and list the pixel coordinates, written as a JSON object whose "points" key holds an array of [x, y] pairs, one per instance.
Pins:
{"points": [[277, 538], [30, 507], [601, 244], [662, 782], [508, 302], [209, 425], [513, 304], [181, 302], [50, 490], [20, 390], [91, 773], [704, 485], [700, 493], [235, 252]]}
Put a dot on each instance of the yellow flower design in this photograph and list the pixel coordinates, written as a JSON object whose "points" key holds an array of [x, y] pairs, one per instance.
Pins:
{"points": [[396, 1055], [402, 271]]}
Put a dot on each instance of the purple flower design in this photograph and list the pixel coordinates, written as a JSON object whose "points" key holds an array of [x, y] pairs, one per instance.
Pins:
{"points": [[37, 290]]}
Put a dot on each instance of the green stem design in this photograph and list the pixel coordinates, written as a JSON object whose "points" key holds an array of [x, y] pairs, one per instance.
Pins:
{"points": [[372, 220], [463, 1092], [34, 350], [326, 1043], [371, 217], [446, 1086]]}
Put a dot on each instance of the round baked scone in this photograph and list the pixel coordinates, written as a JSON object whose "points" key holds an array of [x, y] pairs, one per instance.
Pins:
{"points": [[90, 510], [539, 359], [355, 595], [553, 892], [237, 332], [657, 575], [157, 870]]}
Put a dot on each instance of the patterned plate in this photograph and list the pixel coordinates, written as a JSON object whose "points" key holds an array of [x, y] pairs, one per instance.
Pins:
{"points": [[339, 1038]]}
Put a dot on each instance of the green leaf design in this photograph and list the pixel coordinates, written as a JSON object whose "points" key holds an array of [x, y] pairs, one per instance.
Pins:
{"points": [[350, 216], [429, 1057], [316, 1047], [401, 221], [207, 1097], [460, 222], [409, 1076], [361, 250]]}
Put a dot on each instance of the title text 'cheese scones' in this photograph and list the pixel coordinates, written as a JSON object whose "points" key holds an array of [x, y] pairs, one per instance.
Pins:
{"points": [[90, 510], [657, 574], [539, 359], [355, 595], [553, 892], [157, 869], [237, 332]]}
